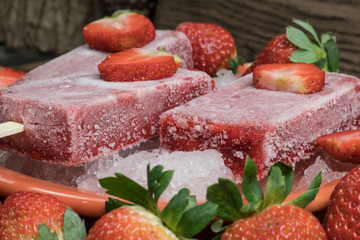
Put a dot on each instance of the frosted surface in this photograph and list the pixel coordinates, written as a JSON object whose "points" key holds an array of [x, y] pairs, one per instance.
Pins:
{"points": [[240, 120]]}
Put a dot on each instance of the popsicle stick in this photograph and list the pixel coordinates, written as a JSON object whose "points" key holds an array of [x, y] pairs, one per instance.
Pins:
{"points": [[10, 128]]}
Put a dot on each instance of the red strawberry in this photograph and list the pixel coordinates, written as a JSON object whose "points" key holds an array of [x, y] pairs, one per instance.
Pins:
{"points": [[343, 146], [213, 46], [278, 50], [297, 46], [127, 222], [265, 216], [138, 64], [342, 216], [123, 30], [277, 222], [181, 218], [8, 76], [291, 77], [22, 214]]}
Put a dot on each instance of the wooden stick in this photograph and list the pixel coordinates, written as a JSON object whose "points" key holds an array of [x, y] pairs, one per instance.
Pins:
{"points": [[10, 128]]}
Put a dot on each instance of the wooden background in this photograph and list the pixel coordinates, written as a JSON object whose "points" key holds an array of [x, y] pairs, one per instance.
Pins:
{"points": [[55, 26]]}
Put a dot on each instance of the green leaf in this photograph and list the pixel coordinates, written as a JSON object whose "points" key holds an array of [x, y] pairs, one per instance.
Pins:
{"points": [[127, 189], [306, 25], [251, 188], [196, 219], [326, 37], [299, 38], [288, 173], [113, 203], [332, 54], [251, 208], [74, 227], [227, 196], [45, 233], [275, 187], [218, 228], [192, 202], [158, 181], [234, 64], [173, 211], [304, 199], [305, 56], [321, 63]]}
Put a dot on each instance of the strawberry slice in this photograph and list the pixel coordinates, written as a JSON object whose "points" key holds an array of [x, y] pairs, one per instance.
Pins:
{"points": [[8, 76], [343, 146], [290, 77], [123, 30], [138, 65]]}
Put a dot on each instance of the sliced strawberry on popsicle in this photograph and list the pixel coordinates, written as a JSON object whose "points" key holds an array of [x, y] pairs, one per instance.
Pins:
{"points": [[8, 76], [291, 77], [123, 30], [138, 65], [343, 146]]}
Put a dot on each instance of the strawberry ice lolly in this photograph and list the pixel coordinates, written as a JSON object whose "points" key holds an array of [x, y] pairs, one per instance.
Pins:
{"points": [[269, 126], [74, 119]]}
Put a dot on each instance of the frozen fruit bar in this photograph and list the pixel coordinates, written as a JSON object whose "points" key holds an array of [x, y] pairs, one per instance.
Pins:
{"points": [[83, 61], [240, 120], [75, 119]]}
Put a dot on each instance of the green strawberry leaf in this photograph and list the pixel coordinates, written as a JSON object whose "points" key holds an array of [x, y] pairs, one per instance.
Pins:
{"points": [[321, 63], [251, 208], [192, 202], [158, 180], [127, 189], [288, 173], [227, 196], [234, 64], [174, 210], [74, 227], [45, 233], [304, 199], [333, 54], [299, 38], [113, 203], [305, 56], [218, 228], [326, 37], [306, 25], [274, 187], [195, 219], [251, 188]]}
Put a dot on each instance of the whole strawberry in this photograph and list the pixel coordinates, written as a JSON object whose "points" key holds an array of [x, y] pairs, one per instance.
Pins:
{"points": [[8, 76], [28, 215], [135, 219], [342, 216], [123, 30], [300, 47], [141, 218], [213, 46], [265, 217]]}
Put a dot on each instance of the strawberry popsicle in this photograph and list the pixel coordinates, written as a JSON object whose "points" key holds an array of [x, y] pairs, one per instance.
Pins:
{"points": [[240, 120], [75, 119]]}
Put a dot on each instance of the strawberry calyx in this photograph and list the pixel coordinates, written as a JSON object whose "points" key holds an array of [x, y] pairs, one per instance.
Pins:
{"points": [[73, 228], [323, 51], [124, 11], [228, 197], [234, 64], [182, 215]]}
